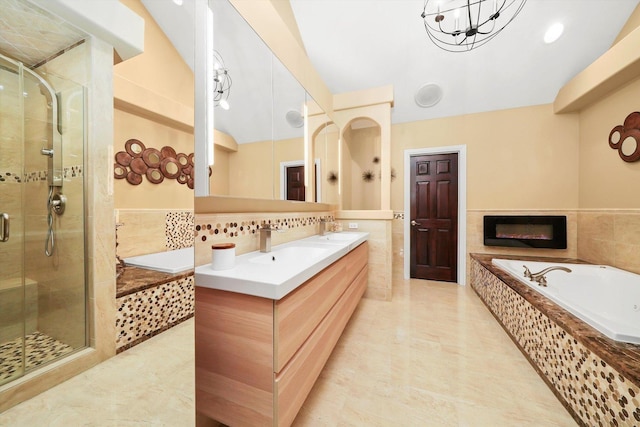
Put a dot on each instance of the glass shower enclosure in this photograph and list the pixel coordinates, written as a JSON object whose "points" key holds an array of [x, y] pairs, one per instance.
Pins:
{"points": [[43, 297]]}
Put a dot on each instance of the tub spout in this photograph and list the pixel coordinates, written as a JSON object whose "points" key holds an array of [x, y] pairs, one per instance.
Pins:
{"points": [[539, 276]]}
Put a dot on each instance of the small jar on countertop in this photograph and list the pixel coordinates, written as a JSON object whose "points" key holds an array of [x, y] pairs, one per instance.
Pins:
{"points": [[223, 256]]}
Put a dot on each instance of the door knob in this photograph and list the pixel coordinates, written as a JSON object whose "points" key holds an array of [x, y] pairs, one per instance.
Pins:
{"points": [[413, 222]]}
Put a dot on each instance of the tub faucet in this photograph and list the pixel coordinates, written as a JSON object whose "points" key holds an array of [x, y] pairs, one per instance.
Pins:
{"points": [[539, 276]]}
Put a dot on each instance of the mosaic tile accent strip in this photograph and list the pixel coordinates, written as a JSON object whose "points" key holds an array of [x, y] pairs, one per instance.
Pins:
{"points": [[594, 392], [179, 229], [9, 177], [37, 176], [40, 349], [243, 228], [144, 314], [398, 215]]}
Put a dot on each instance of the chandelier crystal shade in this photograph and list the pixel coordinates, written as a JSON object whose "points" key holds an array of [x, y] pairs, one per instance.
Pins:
{"points": [[463, 25], [222, 82]]}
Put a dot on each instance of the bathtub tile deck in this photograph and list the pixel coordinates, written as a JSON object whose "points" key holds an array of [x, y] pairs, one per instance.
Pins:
{"points": [[136, 279], [623, 357], [434, 356]]}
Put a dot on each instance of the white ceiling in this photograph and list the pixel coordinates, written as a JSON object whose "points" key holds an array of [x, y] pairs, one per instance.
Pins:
{"points": [[359, 44]]}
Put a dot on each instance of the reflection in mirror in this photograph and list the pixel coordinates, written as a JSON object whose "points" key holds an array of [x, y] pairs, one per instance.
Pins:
{"points": [[361, 165], [325, 149], [629, 146], [253, 137]]}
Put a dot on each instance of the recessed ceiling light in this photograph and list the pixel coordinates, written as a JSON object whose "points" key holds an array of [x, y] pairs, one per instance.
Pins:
{"points": [[178, 2], [553, 33], [224, 104]]}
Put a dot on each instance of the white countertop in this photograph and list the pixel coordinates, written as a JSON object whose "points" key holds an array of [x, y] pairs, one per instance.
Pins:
{"points": [[274, 274]]}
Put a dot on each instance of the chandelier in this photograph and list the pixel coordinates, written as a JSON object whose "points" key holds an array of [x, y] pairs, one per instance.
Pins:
{"points": [[222, 82], [462, 25]]}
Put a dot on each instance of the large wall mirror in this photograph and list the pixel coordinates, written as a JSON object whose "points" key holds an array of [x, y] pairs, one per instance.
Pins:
{"points": [[259, 119]]}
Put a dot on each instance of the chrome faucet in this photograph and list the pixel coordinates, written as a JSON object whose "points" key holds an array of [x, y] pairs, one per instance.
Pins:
{"points": [[265, 238], [323, 226], [539, 276]]}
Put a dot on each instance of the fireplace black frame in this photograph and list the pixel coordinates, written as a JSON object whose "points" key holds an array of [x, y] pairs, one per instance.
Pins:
{"points": [[557, 222]]}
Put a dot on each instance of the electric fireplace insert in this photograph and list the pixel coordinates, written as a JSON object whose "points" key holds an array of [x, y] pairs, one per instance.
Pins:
{"points": [[526, 231]]}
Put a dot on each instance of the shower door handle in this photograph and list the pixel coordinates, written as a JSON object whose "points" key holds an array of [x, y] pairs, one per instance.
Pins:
{"points": [[4, 227]]}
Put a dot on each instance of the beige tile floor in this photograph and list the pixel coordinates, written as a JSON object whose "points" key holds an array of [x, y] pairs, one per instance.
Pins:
{"points": [[432, 357]]}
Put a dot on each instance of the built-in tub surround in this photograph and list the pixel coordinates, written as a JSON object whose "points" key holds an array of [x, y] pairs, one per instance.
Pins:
{"points": [[596, 379], [150, 302], [604, 297]]}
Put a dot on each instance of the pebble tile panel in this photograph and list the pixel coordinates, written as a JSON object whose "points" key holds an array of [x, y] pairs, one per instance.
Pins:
{"points": [[179, 229], [594, 392], [144, 314]]}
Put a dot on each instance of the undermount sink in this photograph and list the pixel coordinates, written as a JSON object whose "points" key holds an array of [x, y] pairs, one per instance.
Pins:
{"points": [[290, 254]]}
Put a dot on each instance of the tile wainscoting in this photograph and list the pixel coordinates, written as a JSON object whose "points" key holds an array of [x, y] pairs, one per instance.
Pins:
{"points": [[610, 237]]}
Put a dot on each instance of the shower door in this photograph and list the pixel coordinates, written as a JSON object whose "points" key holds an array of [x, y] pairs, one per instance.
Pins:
{"points": [[42, 253], [12, 286]]}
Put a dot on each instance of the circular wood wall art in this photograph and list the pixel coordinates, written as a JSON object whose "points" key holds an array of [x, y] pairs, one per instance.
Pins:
{"points": [[138, 166], [154, 176], [626, 138], [152, 157], [134, 147], [134, 178], [170, 168], [119, 171], [182, 179], [183, 159], [168, 152], [123, 158]]}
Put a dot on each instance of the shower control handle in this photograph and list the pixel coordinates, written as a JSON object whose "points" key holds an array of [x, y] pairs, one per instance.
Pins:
{"points": [[47, 152], [59, 203], [4, 227]]}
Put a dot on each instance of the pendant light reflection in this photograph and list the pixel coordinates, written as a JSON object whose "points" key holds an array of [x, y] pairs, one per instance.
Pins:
{"points": [[222, 82]]}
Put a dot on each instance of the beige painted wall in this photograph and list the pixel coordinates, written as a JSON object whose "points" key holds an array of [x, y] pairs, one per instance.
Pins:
{"points": [[160, 68], [325, 148], [606, 181], [363, 145], [523, 158], [250, 171], [219, 179], [169, 194]]}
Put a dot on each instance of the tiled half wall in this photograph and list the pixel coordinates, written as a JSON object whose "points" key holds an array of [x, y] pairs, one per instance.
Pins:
{"points": [[610, 237], [147, 231], [593, 391]]}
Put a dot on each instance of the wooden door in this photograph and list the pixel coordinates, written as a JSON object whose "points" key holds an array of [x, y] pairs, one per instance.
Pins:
{"points": [[434, 217], [295, 183]]}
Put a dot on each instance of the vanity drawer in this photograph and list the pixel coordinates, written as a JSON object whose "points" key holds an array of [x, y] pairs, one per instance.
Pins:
{"points": [[300, 312], [295, 381]]}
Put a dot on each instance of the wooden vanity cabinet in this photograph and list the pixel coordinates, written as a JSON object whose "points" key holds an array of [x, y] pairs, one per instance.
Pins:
{"points": [[257, 359]]}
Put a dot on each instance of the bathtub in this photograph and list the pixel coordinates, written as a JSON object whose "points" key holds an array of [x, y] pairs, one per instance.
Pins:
{"points": [[604, 297], [168, 262]]}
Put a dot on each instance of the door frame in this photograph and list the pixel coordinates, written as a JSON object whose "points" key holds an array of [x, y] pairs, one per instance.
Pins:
{"points": [[461, 151], [295, 163]]}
